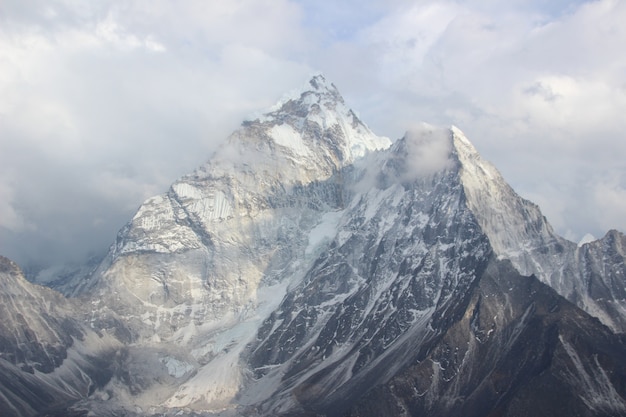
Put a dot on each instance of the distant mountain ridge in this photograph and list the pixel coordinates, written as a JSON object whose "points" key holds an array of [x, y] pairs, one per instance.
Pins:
{"points": [[311, 267]]}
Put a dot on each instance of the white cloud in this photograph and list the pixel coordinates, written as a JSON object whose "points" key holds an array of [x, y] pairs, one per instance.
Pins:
{"points": [[539, 91], [10, 218], [428, 150], [565, 102], [610, 198], [105, 102], [109, 31]]}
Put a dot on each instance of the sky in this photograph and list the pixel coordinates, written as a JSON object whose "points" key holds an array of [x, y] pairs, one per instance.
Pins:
{"points": [[106, 103]]}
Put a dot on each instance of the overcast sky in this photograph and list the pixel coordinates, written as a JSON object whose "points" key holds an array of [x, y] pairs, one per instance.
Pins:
{"points": [[105, 103]]}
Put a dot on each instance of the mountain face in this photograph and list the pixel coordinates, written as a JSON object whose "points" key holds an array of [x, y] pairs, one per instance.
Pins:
{"points": [[311, 267], [518, 349], [238, 221]]}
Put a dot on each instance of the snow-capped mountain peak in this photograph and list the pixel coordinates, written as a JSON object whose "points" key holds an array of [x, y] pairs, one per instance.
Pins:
{"points": [[243, 216], [316, 86], [310, 263], [313, 127], [510, 222]]}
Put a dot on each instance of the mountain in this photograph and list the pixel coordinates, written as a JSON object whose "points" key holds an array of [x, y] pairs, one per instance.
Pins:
{"points": [[410, 256], [311, 267], [218, 233]]}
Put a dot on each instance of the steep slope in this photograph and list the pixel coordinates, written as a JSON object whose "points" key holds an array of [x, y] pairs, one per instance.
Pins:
{"points": [[406, 253], [519, 349], [600, 269], [47, 357]]}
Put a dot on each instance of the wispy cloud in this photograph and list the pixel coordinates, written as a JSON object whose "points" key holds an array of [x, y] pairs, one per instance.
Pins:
{"points": [[428, 149]]}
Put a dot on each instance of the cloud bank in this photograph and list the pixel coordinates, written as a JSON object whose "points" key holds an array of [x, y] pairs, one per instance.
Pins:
{"points": [[106, 103]]}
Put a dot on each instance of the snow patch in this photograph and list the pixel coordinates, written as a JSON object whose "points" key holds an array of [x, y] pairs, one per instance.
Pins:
{"points": [[209, 205], [285, 135], [176, 368], [324, 231], [220, 380]]}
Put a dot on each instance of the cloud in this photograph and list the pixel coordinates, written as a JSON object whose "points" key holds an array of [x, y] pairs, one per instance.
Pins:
{"points": [[542, 91], [539, 91], [428, 150], [105, 103], [610, 197], [10, 218]]}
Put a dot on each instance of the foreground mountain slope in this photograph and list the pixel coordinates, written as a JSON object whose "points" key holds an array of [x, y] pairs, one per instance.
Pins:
{"points": [[519, 349], [48, 358]]}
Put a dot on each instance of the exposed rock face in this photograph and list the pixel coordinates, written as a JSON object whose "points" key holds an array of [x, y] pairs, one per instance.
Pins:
{"points": [[407, 251], [314, 268], [518, 349], [600, 270]]}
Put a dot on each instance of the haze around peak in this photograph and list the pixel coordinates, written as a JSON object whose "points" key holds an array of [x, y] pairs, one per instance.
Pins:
{"points": [[106, 104]]}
